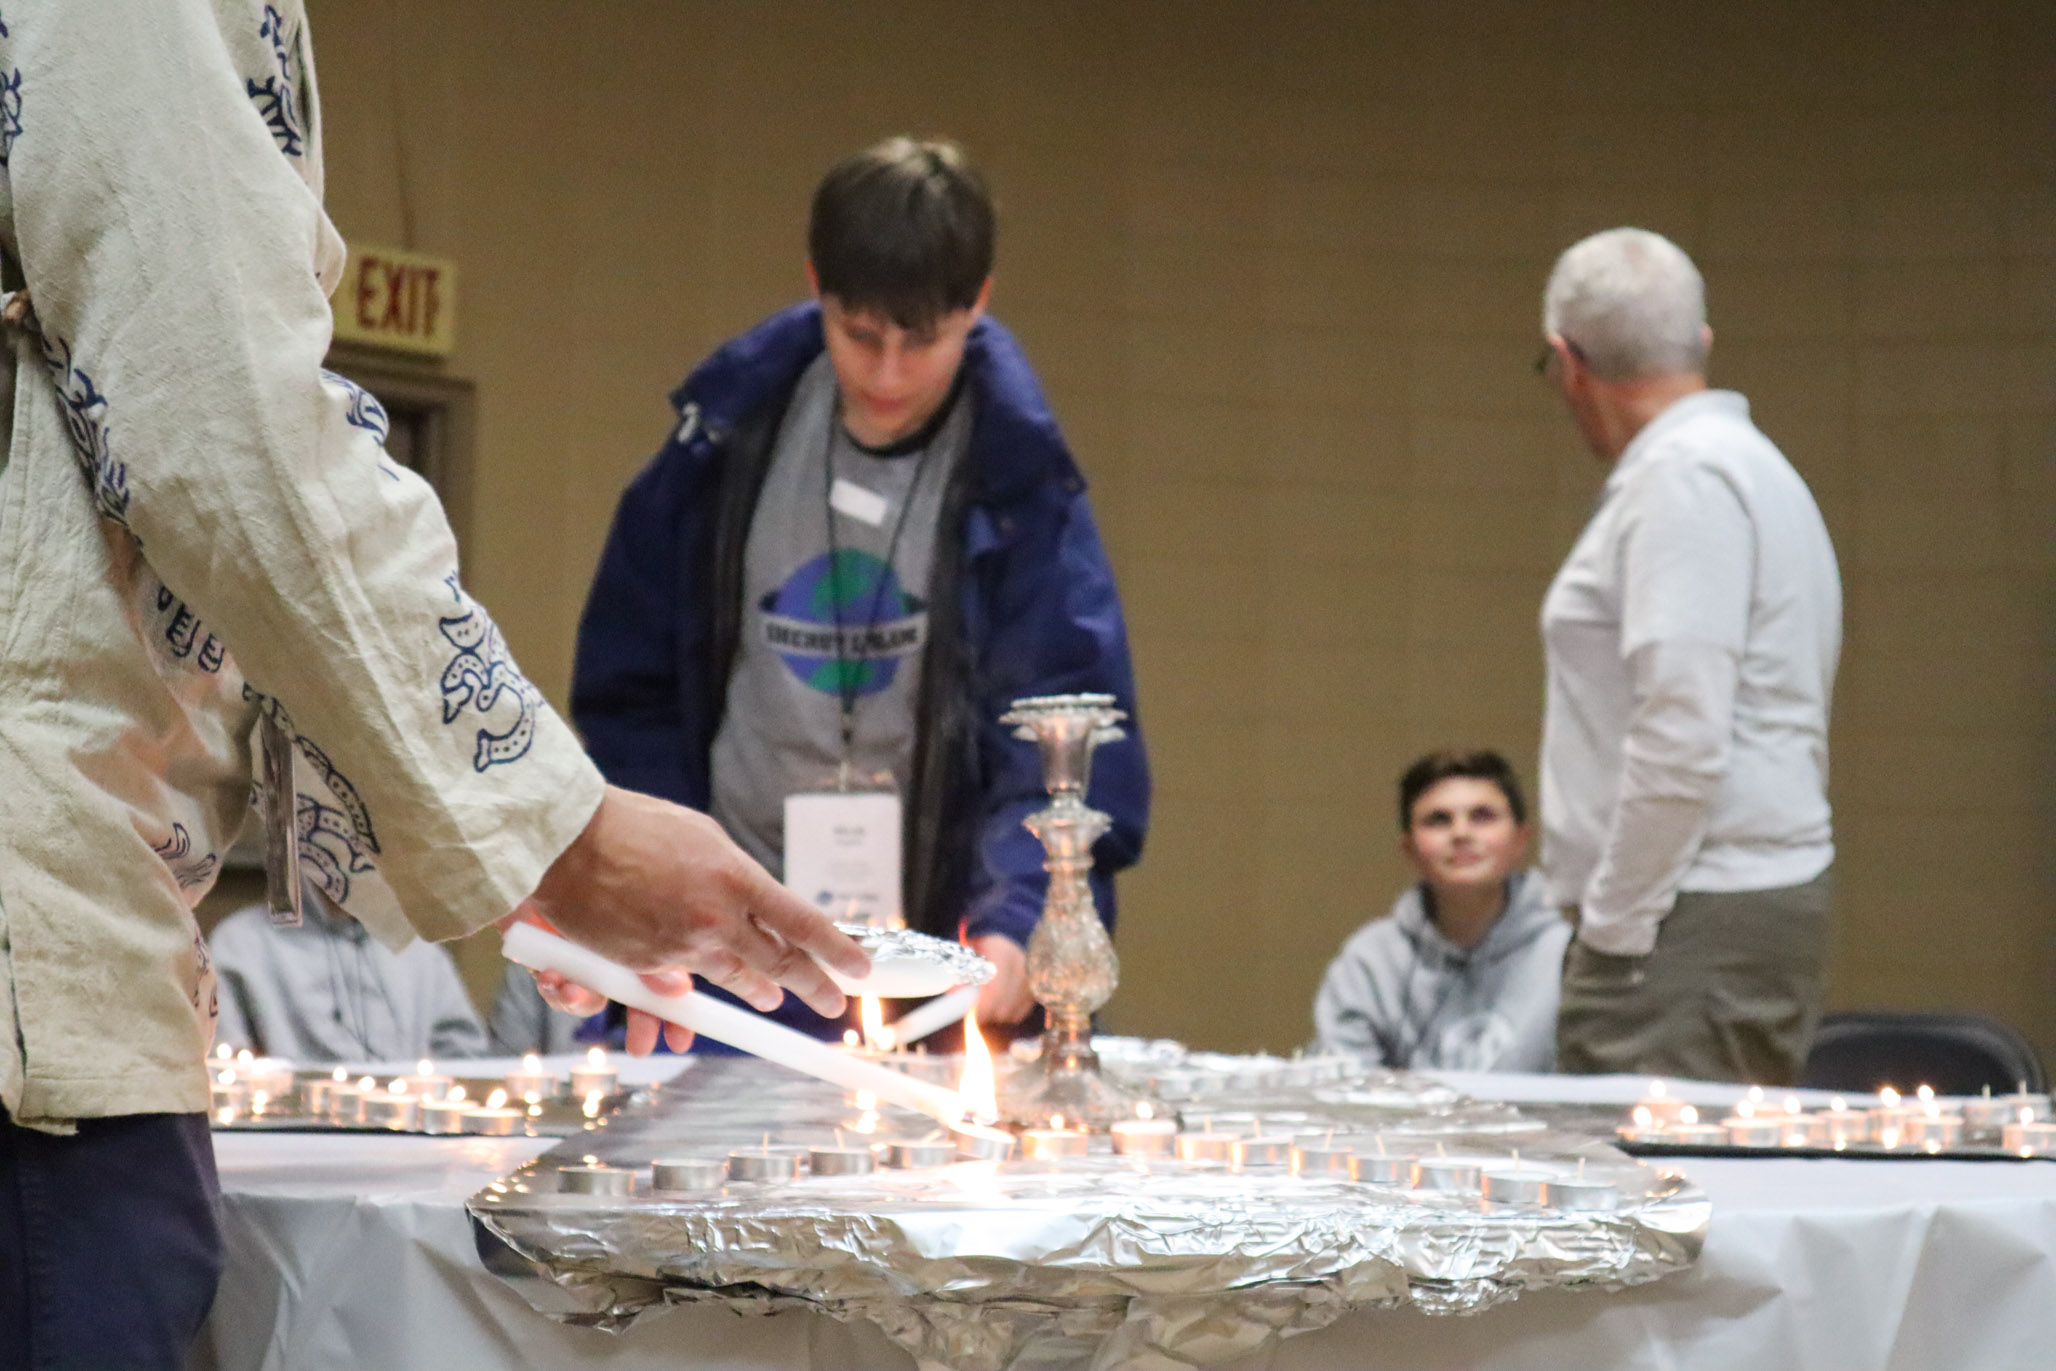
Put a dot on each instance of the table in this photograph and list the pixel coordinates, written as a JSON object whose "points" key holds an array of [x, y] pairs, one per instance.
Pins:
{"points": [[354, 1251]]}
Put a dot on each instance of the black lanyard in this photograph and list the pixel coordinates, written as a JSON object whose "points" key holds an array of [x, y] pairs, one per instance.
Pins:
{"points": [[846, 670]]}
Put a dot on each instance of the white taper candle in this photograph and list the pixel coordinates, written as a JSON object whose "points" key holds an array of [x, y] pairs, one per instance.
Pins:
{"points": [[541, 950]]}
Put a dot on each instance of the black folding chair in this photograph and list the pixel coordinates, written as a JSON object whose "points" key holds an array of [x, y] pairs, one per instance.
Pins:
{"points": [[1860, 1050]]}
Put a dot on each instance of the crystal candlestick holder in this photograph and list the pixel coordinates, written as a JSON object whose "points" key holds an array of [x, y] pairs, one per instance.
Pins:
{"points": [[1072, 969]]}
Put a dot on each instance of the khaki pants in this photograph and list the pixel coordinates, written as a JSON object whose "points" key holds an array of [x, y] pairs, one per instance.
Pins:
{"points": [[1731, 993]]}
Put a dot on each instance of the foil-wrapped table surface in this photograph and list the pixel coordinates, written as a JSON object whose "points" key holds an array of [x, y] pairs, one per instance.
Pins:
{"points": [[1098, 1261]]}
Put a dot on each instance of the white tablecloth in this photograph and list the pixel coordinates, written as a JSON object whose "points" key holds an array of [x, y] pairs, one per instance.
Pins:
{"points": [[355, 1252]]}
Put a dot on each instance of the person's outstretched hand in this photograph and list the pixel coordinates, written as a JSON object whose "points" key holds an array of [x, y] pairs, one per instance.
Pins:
{"points": [[662, 890]]}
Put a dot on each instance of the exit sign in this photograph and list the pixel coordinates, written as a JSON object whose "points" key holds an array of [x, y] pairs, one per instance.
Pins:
{"points": [[392, 298]]}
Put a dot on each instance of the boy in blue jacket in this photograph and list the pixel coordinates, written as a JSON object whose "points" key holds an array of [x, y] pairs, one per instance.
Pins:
{"points": [[864, 540]]}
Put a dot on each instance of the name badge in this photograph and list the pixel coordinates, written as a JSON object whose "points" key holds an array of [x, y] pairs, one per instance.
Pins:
{"points": [[842, 854], [865, 506]]}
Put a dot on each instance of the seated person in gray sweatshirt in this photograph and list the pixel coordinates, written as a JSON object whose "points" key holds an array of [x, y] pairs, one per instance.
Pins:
{"points": [[1463, 973], [328, 991]]}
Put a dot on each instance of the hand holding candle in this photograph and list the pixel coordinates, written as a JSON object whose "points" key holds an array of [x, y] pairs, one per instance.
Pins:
{"points": [[652, 886]]}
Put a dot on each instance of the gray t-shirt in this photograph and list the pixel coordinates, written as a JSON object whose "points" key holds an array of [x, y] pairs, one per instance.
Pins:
{"points": [[812, 639]]}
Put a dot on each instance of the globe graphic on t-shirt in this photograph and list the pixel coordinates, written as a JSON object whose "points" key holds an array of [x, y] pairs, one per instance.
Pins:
{"points": [[859, 591]]}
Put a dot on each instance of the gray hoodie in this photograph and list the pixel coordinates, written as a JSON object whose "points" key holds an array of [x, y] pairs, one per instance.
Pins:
{"points": [[1402, 995]]}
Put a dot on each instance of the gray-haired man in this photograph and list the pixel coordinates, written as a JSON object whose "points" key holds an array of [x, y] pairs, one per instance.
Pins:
{"points": [[1692, 637]]}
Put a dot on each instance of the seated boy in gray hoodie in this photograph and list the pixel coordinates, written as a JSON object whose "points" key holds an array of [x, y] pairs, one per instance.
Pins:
{"points": [[1463, 973]]}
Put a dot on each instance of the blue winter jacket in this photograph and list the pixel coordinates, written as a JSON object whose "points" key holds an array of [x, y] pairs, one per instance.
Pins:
{"points": [[1032, 611]]}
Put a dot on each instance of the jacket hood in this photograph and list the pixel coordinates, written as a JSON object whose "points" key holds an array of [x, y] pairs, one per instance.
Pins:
{"points": [[1015, 442], [1527, 916]]}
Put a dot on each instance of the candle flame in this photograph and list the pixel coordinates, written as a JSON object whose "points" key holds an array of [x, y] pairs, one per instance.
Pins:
{"points": [[496, 1100], [876, 1035], [424, 1067], [1755, 1092], [1791, 1104], [245, 1057], [977, 1087], [339, 1075], [2027, 1115], [596, 1058], [530, 1063], [366, 1083], [1924, 1093], [456, 1094], [1745, 1110], [227, 1078], [1143, 1111], [1688, 1115], [1656, 1089], [1056, 1121], [224, 1051], [1838, 1104], [850, 1038], [227, 1114], [867, 1100], [1888, 1097], [592, 1105], [397, 1086]]}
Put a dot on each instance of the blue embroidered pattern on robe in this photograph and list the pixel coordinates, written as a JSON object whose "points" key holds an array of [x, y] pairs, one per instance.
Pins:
{"points": [[478, 675], [353, 806], [368, 414], [365, 410], [278, 96], [176, 852], [85, 415], [203, 974], [186, 635], [10, 109], [329, 852]]}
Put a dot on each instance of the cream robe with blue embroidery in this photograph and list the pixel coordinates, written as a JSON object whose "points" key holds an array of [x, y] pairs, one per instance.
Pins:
{"points": [[197, 524]]}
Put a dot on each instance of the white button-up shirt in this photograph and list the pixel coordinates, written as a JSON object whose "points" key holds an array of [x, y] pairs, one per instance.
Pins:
{"points": [[196, 525], [1691, 637]]}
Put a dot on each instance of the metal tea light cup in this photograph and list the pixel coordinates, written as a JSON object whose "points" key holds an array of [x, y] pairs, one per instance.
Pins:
{"points": [[596, 1180], [687, 1175]]}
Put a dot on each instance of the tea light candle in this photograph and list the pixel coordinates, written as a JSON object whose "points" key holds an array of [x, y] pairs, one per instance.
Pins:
{"points": [[1802, 1130], [1384, 1170], [1985, 1115], [1576, 1192], [427, 1083], [839, 1161], [531, 1083], [227, 1098], [596, 1180], [1320, 1158], [1442, 1173], [1206, 1147], [1932, 1129], [493, 1123], [1752, 1130], [1642, 1126], [1663, 1107], [1268, 1149], [2029, 1137], [1842, 1125], [1514, 1184], [976, 1142], [390, 1109], [1697, 1135], [1052, 1144], [272, 1075], [686, 1175], [765, 1164], [444, 1116], [1144, 1137], [596, 1077], [911, 1155], [318, 1095]]}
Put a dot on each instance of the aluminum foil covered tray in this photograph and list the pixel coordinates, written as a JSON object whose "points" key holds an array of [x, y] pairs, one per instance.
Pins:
{"points": [[1096, 1261]]}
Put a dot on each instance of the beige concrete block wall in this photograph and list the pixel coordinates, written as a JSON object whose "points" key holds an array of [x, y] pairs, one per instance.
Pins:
{"points": [[1279, 267]]}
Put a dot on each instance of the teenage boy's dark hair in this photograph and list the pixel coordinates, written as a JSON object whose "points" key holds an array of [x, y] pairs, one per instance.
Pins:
{"points": [[904, 228], [1481, 765]]}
